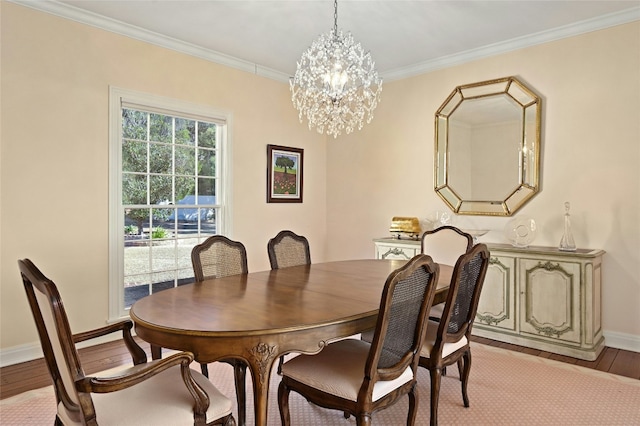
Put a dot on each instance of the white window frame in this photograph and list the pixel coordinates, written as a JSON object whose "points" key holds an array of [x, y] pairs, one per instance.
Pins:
{"points": [[117, 98]]}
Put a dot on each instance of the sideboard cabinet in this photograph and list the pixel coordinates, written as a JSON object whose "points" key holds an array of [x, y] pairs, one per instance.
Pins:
{"points": [[539, 297]]}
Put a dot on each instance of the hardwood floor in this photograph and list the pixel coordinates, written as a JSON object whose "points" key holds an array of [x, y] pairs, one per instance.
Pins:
{"points": [[22, 377], [611, 360]]}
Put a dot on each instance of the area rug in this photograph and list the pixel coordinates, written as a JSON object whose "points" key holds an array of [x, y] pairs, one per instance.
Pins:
{"points": [[505, 388]]}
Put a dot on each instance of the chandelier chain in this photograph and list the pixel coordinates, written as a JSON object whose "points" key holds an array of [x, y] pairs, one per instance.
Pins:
{"points": [[335, 17]]}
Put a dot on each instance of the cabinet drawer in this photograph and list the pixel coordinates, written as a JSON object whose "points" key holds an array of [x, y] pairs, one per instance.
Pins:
{"points": [[384, 251]]}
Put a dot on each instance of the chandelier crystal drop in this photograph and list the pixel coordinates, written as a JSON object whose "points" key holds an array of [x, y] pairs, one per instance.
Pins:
{"points": [[336, 86]]}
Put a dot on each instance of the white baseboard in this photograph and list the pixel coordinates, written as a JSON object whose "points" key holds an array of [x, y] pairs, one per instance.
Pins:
{"points": [[22, 353], [31, 351], [624, 341]]}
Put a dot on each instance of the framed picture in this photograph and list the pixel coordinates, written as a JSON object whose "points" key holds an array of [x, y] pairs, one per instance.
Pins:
{"points": [[284, 174]]}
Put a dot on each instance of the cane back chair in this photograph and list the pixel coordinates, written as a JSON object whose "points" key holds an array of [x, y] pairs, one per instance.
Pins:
{"points": [[447, 341], [288, 249], [217, 257], [358, 377]]}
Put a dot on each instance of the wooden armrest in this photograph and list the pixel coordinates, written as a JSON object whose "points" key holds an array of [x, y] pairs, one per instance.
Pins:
{"points": [[124, 380], [138, 354], [103, 331], [144, 372]]}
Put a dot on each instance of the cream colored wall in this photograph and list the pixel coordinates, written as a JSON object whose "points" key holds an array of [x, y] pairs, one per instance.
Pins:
{"points": [[590, 86], [54, 156]]}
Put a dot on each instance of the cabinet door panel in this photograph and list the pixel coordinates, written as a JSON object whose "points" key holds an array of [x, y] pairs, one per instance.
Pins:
{"points": [[550, 299], [497, 300]]}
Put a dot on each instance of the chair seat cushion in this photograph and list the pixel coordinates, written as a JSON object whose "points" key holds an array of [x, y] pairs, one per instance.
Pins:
{"points": [[160, 400], [430, 340], [339, 370]]}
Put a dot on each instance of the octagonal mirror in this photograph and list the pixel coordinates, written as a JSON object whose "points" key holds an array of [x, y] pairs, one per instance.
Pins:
{"points": [[487, 156]]}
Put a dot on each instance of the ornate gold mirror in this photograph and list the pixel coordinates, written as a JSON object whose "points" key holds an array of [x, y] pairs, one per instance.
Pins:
{"points": [[487, 151]]}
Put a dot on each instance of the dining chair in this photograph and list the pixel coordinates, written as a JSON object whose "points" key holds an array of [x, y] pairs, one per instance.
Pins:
{"points": [[217, 257], [163, 391], [288, 249], [445, 245], [358, 377], [447, 341]]}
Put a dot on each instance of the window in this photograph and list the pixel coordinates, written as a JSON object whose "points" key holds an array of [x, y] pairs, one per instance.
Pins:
{"points": [[168, 187]]}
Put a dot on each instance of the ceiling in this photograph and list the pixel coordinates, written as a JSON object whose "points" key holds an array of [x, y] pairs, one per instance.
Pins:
{"points": [[404, 37]]}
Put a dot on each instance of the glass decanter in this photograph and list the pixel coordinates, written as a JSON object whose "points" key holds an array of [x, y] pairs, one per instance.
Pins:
{"points": [[567, 243]]}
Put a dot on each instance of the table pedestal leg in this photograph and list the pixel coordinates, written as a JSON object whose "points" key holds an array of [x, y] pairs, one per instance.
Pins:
{"points": [[260, 363]]}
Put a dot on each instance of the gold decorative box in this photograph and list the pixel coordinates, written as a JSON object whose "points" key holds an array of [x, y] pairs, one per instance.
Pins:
{"points": [[409, 226]]}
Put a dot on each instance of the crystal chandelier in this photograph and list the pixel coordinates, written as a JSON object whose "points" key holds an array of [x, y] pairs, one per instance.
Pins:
{"points": [[336, 85]]}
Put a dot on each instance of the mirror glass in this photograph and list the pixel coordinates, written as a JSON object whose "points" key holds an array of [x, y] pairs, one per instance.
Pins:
{"points": [[487, 147]]}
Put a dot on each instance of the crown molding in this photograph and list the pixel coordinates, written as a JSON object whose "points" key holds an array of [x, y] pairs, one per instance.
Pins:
{"points": [[89, 18], [118, 27], [599, 23]]}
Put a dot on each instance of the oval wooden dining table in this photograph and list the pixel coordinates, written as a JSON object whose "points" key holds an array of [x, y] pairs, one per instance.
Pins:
{"points": [[259, 316]]}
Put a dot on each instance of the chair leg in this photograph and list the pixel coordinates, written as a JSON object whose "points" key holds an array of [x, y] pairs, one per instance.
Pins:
{"points": [[283, 404], [280, 365], [240, 375], [413, 406], [363, 419], [464, 376], [204, 368], [228, 421], [436, 377], [156, 352]]}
